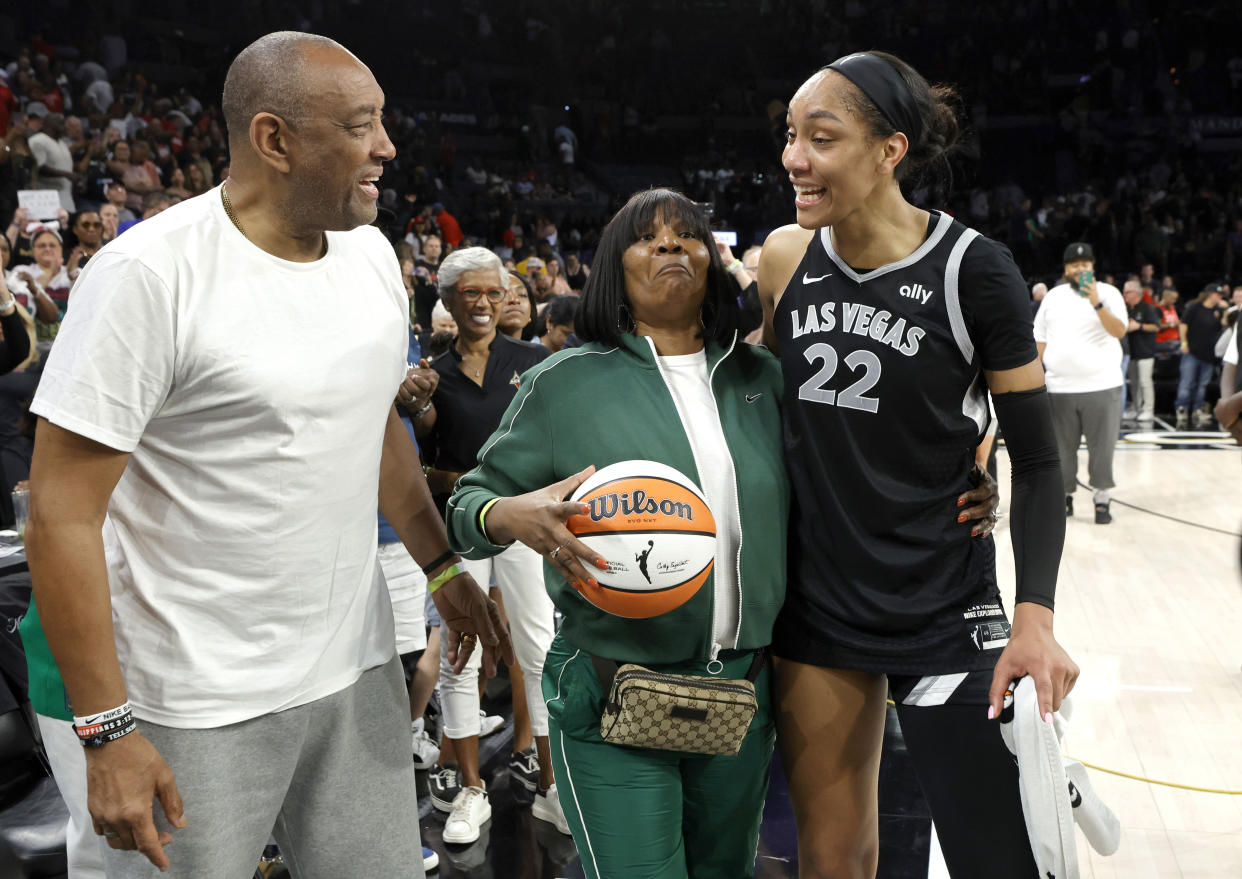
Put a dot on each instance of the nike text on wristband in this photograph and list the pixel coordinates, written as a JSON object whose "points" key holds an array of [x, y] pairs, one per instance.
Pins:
{"points": [[102, 716], [440, 579]]}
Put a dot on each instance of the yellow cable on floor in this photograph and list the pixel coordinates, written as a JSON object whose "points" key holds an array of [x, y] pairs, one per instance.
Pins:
{"points": [[1202, 790]]}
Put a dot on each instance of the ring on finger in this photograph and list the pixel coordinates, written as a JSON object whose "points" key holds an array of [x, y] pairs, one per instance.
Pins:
{"points": [[554, 553], [111, 834]]}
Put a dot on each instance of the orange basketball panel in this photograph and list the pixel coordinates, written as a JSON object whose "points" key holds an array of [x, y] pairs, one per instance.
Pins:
{"points": [[643, 605]]}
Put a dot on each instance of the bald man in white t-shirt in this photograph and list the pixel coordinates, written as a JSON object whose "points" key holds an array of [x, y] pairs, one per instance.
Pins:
{"points": [[216, 432]]}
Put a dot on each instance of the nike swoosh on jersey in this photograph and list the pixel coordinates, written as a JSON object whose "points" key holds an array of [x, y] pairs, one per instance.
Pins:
{"points": [[807, 279]]}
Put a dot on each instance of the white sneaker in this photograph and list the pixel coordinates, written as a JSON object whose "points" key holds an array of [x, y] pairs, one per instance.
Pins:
{"points": [[426, 751], [471, 810], [489, 723], [547, 807]]}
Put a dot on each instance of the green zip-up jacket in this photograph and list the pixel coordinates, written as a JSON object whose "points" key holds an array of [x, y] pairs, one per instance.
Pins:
{"points": [[600, 405]]}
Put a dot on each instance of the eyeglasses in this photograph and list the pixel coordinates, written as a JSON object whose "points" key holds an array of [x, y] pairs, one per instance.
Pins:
{"points": [[494, 294]]}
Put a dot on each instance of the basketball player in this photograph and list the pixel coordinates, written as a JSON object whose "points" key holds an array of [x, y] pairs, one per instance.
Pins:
{"points": [[892, 322]]}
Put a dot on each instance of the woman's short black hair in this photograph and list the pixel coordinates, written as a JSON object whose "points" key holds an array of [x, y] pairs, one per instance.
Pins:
{"points": [[604, 313]]}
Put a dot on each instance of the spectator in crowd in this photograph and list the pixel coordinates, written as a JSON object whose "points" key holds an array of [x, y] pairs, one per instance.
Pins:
{"points": [[141, 175], [252, 734], [51, 273], [557, 285], [426, 270], [111, 219], [177, 184], [557, 319], [15, 345], [1168, 339], [450, 229], [196, 180], [88, 230], [54, 163], [517, 311], [576, 271], [1077, 332], [1142, 325], [23, 283], [478, 378], [118, 197], [1200, 326]]}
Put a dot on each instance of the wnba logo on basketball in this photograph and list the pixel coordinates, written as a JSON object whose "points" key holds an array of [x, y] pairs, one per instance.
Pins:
{"points": [[637, 503], [656, 531]]}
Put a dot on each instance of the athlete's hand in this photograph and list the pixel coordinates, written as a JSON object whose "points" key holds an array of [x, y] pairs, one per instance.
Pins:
{"points": [[1032, 650], [472, 618], [123, 780], [986, 497], [538, 519]]}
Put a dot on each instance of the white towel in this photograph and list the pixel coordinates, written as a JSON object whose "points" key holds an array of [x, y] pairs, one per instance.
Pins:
{"points": [[1056, 793]]}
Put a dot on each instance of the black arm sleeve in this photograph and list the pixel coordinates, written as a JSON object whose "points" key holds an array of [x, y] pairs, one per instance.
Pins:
{"points": [[752, 310], [16, 345], [1037, 513]]}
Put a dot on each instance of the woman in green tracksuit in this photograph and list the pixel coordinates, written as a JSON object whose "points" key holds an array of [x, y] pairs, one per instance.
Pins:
{"points": [[662, 377]]}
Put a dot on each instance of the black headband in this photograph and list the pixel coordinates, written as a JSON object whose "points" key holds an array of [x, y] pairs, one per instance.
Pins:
{"points": [[884, 86]]}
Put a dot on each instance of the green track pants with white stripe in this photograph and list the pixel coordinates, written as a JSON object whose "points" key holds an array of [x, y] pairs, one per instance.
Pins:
{"points": [[638, 813]]}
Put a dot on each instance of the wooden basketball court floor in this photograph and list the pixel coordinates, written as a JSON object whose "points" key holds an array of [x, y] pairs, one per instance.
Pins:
{"points": [[1151, 610]]}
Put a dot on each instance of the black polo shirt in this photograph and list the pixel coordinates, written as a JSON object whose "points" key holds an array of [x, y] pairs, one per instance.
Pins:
{"points": [[466, 414], [1143, 342]]}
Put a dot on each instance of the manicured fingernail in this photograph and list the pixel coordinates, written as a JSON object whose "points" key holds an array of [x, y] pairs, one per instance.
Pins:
{"points": [[974, 532], [1048, 717], [602, 565], [593, 582], [961, 502], [991, 713], [961, 517], [584, 509]]}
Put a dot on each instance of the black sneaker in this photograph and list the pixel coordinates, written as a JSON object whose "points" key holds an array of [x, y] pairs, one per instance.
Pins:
{"points": [[1102, 515], [524, 769], [1069, 505], [444, 783]]}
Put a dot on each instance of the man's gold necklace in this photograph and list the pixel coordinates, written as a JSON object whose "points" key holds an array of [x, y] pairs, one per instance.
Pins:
{"points": [[228, 209]]}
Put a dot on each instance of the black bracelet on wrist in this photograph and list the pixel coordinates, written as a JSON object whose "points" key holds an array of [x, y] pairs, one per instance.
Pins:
{"points": [[446, 556]]}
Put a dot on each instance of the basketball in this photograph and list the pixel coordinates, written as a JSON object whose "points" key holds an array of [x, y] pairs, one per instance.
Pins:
{"points": [[654, 528]]}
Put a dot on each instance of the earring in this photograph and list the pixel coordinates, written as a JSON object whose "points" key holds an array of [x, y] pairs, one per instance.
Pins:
{"points": [[625, 321]]}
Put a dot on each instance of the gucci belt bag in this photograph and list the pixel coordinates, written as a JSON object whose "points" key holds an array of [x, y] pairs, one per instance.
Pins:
{"points": [[671, 712]]}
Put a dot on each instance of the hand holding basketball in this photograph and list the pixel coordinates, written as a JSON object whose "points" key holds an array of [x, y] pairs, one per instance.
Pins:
{"points": [[538, 518]]}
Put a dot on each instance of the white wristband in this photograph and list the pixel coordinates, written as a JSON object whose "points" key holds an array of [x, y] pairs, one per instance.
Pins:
{"points": [[102, 717]]}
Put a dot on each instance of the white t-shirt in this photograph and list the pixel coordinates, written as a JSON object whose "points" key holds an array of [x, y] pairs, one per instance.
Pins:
{"points": [[53, 154], [253, 393], [1080, 355], [689, 383]]}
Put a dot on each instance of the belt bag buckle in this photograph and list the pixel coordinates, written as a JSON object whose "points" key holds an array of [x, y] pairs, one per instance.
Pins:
{"points": [[697, 715]]}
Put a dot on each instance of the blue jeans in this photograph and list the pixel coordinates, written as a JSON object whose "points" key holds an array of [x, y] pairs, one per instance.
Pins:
{"points": [[1195, 374]]}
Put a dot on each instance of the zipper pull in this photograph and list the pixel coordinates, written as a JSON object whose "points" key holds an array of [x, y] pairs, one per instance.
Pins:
{"points": [[714, 665]]}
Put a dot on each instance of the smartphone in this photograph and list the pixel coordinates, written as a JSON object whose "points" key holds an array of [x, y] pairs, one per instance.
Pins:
{"points": [[1084, 278], [729, 238]]}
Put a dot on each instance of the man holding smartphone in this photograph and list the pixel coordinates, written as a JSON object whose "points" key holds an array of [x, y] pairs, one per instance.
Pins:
{"points": [[1077, 331]]}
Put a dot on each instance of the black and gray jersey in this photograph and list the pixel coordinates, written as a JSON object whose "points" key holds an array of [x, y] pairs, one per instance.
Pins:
{"points": [[885, 402]]}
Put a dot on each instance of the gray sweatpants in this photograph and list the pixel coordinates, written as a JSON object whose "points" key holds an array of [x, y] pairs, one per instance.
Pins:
{"points": [[332, 780], [1097, 416]]}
